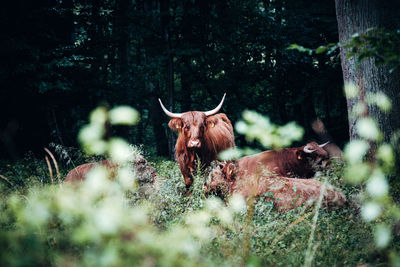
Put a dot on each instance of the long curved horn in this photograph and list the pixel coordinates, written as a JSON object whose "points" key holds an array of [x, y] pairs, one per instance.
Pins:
{"points": [[324, 144], [307, 150], [215, 110], [170, 114]]}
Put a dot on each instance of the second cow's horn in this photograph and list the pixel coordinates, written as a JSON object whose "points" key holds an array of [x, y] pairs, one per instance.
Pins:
{"points": [[324, 144]]}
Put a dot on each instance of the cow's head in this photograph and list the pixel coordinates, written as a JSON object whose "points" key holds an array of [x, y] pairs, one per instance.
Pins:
{"points": [[192, 125], [220, 179], [313, 153]]}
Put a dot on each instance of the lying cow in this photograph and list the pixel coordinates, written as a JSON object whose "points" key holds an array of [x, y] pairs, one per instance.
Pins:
{"points": [[298, 162], [144, 172], [201, 135], [287, 193]]}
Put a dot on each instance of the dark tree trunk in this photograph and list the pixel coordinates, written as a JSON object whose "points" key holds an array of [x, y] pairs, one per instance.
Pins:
{"points": [[356, 17], [280, 76], [123, 7], [156, 117], [186, 102], [164, 10]]}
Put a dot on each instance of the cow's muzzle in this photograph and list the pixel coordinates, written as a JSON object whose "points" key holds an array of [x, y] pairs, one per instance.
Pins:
{"points": [[194, 143]]}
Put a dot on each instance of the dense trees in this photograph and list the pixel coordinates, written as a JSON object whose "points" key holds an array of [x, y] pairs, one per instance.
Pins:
{"points": [[60, 59]]}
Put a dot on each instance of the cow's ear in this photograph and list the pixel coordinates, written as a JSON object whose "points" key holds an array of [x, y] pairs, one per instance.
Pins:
{"points": [[300, 154], [175, 124], [211, 121], [229, 169]]}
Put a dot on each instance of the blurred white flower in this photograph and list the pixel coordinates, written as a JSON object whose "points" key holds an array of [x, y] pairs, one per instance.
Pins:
{"points": [[36, 212], [351, 90], [370, 211], [367, 128], [109, 257], [96, 181], [355, 151], [241, 127], [126, 177], [124, 115], [382, 236], [202, 232], [108, 216], [380, 100], [386, 154], [225, 215], [198, 218], [357, 172], [237, 203], [213, 204], [291, 131], [97, 147], [229, 154], [98, 116], [377, 184], [91, 132], [120, 150], [66, 199], [138, 215]]}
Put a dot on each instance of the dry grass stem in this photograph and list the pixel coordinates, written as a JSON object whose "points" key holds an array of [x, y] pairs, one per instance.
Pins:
{"points": [[309, 253], [6, 179], [55, 164], [50, 169]]}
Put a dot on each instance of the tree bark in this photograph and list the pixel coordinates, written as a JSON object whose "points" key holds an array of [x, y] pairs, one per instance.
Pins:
{"points": [[356, 17]]}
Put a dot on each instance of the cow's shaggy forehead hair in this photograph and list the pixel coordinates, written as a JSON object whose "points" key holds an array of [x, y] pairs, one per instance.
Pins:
{"points": [[193, 118]]}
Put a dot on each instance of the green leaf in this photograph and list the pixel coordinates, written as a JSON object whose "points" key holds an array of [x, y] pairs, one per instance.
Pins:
{"points": [[321, 49]]}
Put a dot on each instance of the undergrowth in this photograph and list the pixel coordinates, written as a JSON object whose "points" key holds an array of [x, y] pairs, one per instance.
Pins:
{"points": [[167, 229]]}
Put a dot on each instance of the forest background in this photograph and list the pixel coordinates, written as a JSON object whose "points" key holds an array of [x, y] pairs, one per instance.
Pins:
{"points": [[61, 59]]}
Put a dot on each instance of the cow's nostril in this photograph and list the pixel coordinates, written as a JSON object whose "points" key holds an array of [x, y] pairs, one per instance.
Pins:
{"points": [[194, 143]]}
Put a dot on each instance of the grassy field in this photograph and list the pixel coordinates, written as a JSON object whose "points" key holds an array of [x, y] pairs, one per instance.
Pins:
{"points": [[109, 223]]}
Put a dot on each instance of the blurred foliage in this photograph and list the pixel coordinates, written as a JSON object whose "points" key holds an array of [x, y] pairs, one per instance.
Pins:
{"points": [[256, 127], [371, 163], [107, 222]]}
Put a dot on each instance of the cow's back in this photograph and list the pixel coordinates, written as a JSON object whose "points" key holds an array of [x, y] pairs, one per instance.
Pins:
{"points": [[257, 163], [79, 173]]}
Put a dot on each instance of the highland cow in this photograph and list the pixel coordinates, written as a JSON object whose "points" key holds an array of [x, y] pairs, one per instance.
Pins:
{"points": [[300, 162], [285, 193], [200, 134]]}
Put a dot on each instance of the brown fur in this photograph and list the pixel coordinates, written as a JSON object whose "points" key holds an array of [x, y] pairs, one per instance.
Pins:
{"points": [[214, 134], [144, 171], [291, 162], [287, 193]]}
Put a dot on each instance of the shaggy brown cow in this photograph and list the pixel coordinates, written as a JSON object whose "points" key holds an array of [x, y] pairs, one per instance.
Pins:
{"points": [[291, 162], [287, 193], [200, 135], [145, 173]]}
